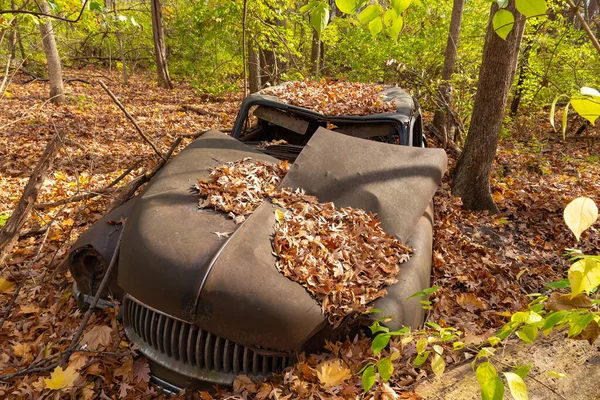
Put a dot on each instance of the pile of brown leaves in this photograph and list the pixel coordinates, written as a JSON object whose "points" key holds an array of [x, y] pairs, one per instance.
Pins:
{"points": [[341, 256], [333, 97], [239, 187]]}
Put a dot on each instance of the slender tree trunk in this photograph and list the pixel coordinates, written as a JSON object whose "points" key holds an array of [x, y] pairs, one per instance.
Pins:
{"points": [[57, 91], [11, 56], [18, 35], [269, 66], [441, 121], [498, 66], [244, 46], [160, 53], [253, 68], [119, 40], [315, 54], [523, 64]]}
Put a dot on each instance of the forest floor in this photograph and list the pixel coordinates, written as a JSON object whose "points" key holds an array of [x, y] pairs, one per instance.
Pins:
{"points": [[485, 265]]}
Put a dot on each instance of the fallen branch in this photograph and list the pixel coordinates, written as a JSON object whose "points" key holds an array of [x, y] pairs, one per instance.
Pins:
{"points": [[90, 195], [142, 134], [135, 184], [10, 232], [33, 232], [90, 310], [64, 356], [199, 111], [68, 80]]}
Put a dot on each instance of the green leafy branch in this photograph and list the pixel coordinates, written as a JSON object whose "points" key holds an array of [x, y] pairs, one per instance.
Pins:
{"points": [[373, 16], [503, 20], [586, 104]]}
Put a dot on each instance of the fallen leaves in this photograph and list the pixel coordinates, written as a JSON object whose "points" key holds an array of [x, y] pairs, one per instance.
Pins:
{"points": [[239, 187], [60, 379], [333, 373], [98, 336], [341, 256], [333, 98], [6, 286]]}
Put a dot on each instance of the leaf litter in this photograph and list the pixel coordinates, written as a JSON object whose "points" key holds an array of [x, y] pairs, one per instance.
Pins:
{"points": [[341, 256], [333, 98]]}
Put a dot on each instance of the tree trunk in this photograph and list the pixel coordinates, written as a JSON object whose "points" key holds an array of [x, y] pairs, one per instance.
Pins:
{"points": [[244, 48], [253, 68], [269, 66], [440, 119], [315, 54], [57, 91], [523, 64], [120, 41], [160, 53], [498, 66]]}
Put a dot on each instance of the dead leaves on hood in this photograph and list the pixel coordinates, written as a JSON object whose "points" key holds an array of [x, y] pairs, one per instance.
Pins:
{"points": [[333, 98], [341, 256], [239, 187]]}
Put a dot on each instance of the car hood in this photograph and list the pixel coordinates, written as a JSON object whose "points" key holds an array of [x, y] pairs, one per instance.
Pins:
{"points": [[173, 261]]}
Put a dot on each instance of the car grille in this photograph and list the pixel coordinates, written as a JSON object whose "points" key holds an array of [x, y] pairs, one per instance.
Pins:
{"points": [[187, 344]]}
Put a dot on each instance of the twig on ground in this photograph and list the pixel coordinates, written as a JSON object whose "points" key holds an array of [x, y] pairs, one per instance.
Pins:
{"points": [[199, 111], [137, 127], [10, 232], [88, 313], [87, 196]]}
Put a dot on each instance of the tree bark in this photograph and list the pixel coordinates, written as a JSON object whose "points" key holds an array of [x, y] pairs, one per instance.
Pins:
{"points": [[57, 91], [441, 121], [315, 54], [498, 66], [253, 68], [160, 53]]}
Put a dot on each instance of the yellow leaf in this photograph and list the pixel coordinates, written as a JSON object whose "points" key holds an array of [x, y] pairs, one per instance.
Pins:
{"points": [[517, 386], [438, 365], [61, 379], [580, 214], [5, 285], [279, 216], [554, 374], [584, 275], [588, 107], [29, 309], [21, 350], [332, 373]]}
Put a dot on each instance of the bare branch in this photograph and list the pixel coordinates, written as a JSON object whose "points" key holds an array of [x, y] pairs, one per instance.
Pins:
{"points": [[142, 134], [41, 14]]}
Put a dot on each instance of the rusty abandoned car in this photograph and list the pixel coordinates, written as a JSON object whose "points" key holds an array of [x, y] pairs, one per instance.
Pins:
{"points": [[207, 308]]}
